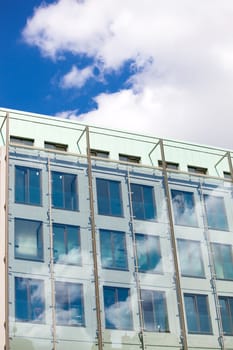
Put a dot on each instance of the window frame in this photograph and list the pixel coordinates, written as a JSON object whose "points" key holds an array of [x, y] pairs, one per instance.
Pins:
{"points": [[73, 203], [179, 216], [29, 302], [141, 206], [115, 265], [116, 307], [65, 241], [99, 153], [109, 199], [149, 254], [39, 239], [221, 263], [190, 250], [65, 289], [27, 187], [210, 214], [229, 311], [21, 140], [129, 158], [155, 296], [198, 314], [55, 146]]}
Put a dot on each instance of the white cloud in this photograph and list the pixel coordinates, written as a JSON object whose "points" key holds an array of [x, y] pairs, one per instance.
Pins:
{"points": [[182, 53], [76, 77]]}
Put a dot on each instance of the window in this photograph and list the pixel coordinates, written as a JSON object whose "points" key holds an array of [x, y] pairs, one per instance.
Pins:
{"points": [[215, 212], [169, 165], [109, 197], [21, 140], [64, 191], [69, 304], [223, 261], [154, 311], [190, 258], [227, 175], [148, 253], [184, 208], [27, 185], [129, 158], [66, 244], [117, 308], [113, 250], [29, 300], [197, 313], [28, 240], [99, 153], [143, 202], [197, 170], [56, 146], [226, 309]]}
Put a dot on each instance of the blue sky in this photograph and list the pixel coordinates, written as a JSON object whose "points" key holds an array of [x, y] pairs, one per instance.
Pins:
{"points": [[161, 67]]}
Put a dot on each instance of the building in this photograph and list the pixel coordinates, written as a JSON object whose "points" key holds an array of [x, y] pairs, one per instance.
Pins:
{"points": [[112, 240]]}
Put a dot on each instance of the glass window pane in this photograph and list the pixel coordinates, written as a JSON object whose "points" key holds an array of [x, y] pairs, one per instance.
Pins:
{"points": [[109, 197], [34, 187], [190, 258], [29, 300], [66, 244], [154, 311], [64, 191], [28, 239], [183, 208], [113, 249], [197, 313], [27, 185], [69, 304], [148, 253], [223, 260], [117, 308], [143, 202], [216, 212]]}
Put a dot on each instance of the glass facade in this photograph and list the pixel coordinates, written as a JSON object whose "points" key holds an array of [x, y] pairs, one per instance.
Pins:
{"points": [[98, 249]]}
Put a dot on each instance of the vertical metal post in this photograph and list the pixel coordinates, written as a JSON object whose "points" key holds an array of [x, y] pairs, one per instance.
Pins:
{"points": [[51, 264], [212, 272], [174, 251], [94, 248], [138, 287], [7, 234]]}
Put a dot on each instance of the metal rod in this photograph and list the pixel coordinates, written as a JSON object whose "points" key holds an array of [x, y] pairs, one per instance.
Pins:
{"points": [[51, 265], [174, 251], [138, 287], [7, 234], [94, 248], [212, 271]]}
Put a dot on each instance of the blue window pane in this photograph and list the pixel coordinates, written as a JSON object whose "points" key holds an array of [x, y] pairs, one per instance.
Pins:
{"points": [[64, 191], [69, 304], [143, 202], [27, 185], [154, 311], [197, 313], [113, 249], [66, 244], [109, 197], [28, 240], [223, 261], [29, 300], [117, 308], [216, 212], [148, 253], [184, 208], [190, 258], [226, 309]]}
